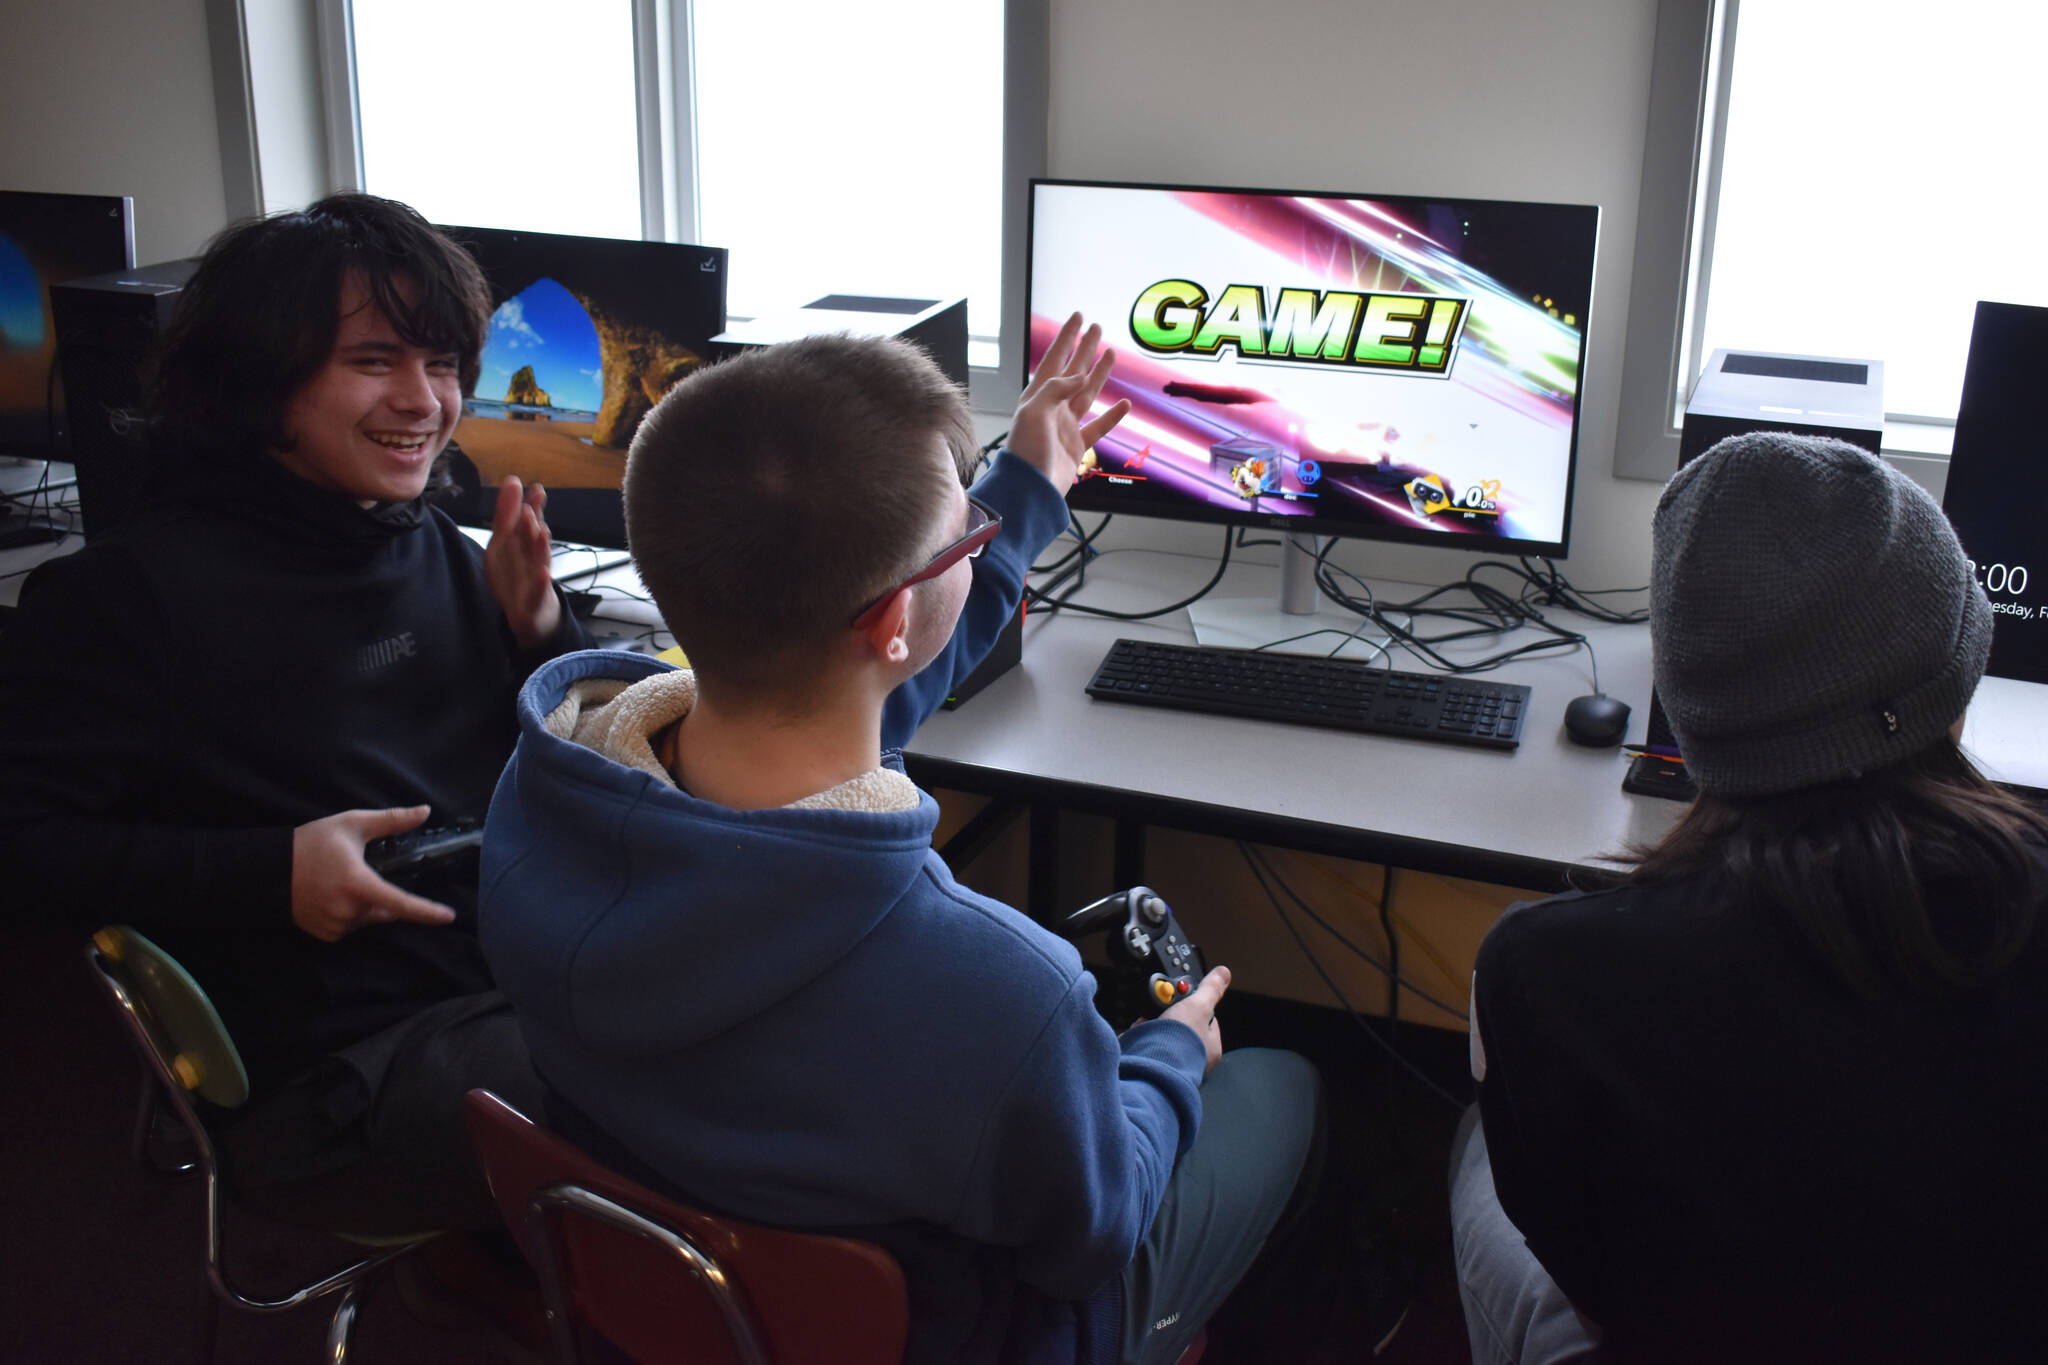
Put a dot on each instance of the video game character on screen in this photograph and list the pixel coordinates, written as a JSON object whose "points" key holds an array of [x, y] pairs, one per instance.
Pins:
{"points": [[1395, 367]]}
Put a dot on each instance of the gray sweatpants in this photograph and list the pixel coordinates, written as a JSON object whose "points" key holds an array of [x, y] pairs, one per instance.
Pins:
{"points": [[1514, 1312], [1259, 1115]]}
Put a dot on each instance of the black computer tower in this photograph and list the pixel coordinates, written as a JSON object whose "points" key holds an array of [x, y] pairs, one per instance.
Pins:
{"points": [[108, 330], [1004, 655]]}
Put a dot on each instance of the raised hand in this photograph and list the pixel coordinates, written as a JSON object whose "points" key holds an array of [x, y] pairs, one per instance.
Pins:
{"points": [[1049, 430], [517, 563], [334, 892]]}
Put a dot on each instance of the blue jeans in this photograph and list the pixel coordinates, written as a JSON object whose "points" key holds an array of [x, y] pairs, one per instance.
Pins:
{"points": [[1514, 1312], [1259, 1115]]}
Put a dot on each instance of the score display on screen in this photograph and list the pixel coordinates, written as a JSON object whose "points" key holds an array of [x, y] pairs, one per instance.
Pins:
{"points": [[1390, 367], [1997, 478]]}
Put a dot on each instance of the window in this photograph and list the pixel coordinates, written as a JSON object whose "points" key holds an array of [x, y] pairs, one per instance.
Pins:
{"points": [[831, 148], [501, 113], [1864, 172], [867, 159]]}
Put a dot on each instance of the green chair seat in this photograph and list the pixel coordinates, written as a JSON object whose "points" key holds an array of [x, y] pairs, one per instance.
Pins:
{"points": [[204, 1058]]}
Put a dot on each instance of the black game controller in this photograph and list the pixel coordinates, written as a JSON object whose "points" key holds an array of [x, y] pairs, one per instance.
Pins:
{"points": [[412, 856], [1146, 946]]}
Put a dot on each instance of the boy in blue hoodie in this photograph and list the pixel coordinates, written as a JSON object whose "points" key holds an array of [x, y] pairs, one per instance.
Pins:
{"points": [[742, 970]]}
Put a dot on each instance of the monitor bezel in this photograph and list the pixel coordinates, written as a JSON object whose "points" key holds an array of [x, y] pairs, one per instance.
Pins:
{"points": [[1084, 496], [587, 514]]}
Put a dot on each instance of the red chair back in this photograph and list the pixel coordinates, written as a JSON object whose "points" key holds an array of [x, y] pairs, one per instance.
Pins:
{"points": [[807, 1298]]}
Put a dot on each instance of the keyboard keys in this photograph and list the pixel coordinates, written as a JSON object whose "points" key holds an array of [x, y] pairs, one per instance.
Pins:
{"points": [[1342, 694]]}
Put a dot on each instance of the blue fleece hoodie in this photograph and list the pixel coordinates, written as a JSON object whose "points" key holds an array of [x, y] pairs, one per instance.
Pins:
{"points": [[797, 1015]]}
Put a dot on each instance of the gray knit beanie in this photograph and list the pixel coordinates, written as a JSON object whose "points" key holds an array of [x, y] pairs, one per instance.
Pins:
{"points": [[1812, 615]]}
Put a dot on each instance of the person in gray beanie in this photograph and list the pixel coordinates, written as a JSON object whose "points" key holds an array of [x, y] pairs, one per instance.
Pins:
{"points": [[1812, 616], [1777, 1095]]}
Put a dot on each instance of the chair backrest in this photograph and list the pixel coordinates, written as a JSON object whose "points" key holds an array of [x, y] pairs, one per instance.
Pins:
{"points": [[802, 1297], [169, 1016]]}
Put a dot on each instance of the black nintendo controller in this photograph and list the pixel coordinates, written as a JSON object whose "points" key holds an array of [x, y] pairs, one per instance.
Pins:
{"points": [[1146, 945], [412, 857]]}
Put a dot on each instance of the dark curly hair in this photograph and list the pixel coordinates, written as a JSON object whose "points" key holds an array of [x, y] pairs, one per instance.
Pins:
{"points": [[259, 317]]}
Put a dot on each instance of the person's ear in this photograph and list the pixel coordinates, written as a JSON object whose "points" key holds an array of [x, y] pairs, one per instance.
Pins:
{"points": [[888, 638]]}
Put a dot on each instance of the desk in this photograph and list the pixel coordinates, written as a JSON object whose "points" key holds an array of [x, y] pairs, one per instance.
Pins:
{"points": [[29, 504], [1529, 818], [2006, 732], [1525, 818]]}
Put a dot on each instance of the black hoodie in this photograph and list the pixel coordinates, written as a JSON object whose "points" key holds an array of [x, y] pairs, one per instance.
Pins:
{"points": [[252, 655]]}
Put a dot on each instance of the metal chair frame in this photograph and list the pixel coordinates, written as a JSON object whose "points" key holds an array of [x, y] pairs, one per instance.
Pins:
{"points": [[162, 1085], [648, 1273], [740, 1323]]}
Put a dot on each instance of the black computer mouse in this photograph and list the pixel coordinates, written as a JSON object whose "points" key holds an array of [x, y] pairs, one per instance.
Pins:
{"points": [[1597, 719]]}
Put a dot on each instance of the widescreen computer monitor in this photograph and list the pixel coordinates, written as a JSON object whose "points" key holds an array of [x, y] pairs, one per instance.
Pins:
{"points": [[587, 334], [46, 239], [1380, 366], [1997, 478]]}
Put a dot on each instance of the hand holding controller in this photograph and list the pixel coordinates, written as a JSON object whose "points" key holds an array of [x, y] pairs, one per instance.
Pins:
{"points": [[404, 857], [1145, 940]]}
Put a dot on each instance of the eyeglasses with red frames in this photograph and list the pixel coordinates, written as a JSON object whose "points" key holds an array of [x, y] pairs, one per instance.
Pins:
{"points": [[982, 525]]}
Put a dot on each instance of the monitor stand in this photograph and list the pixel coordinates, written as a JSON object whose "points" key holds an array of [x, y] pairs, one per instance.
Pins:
{"points": [[1247, 622]]}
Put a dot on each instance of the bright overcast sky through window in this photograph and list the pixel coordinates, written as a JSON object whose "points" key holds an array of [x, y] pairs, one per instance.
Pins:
{"points": [[1883, 172], [853, 149], [501, 113]]}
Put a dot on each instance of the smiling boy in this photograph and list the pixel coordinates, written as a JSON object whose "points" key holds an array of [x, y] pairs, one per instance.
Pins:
{"points": [[287, 655]]}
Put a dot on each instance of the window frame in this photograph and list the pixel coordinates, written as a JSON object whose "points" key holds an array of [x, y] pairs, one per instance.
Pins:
{"points": [[666, 127], [1689, 74]]}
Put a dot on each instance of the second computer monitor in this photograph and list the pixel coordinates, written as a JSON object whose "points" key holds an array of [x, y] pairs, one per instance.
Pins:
{"points": [[1995, 481], [46, 239], [587, 334], [1381, 366]]}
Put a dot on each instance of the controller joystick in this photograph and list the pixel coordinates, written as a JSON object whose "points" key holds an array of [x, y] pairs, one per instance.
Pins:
{"points": [[1146, 946]]}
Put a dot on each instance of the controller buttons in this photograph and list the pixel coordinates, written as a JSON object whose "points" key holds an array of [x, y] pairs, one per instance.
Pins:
{"points": [[1153, 909], [1181, 986], [1138, 941], [1162, 989]]}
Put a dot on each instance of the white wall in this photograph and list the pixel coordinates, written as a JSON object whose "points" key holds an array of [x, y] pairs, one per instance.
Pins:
{"points": [[1498, 99], [116, 97]]}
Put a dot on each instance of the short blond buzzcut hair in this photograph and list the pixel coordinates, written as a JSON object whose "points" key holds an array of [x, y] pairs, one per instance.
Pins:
{"points": [[771, 496]]}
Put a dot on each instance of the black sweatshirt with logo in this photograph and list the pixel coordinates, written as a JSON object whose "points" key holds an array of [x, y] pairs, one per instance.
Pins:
{"points": [[178, 696]]}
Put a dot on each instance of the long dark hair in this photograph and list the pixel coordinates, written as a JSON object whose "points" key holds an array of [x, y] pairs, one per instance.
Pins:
{"points": [[1920, 876], [259, 317]]}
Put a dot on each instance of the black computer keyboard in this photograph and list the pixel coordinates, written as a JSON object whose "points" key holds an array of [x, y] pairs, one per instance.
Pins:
{"points": [[1338, 694]]}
